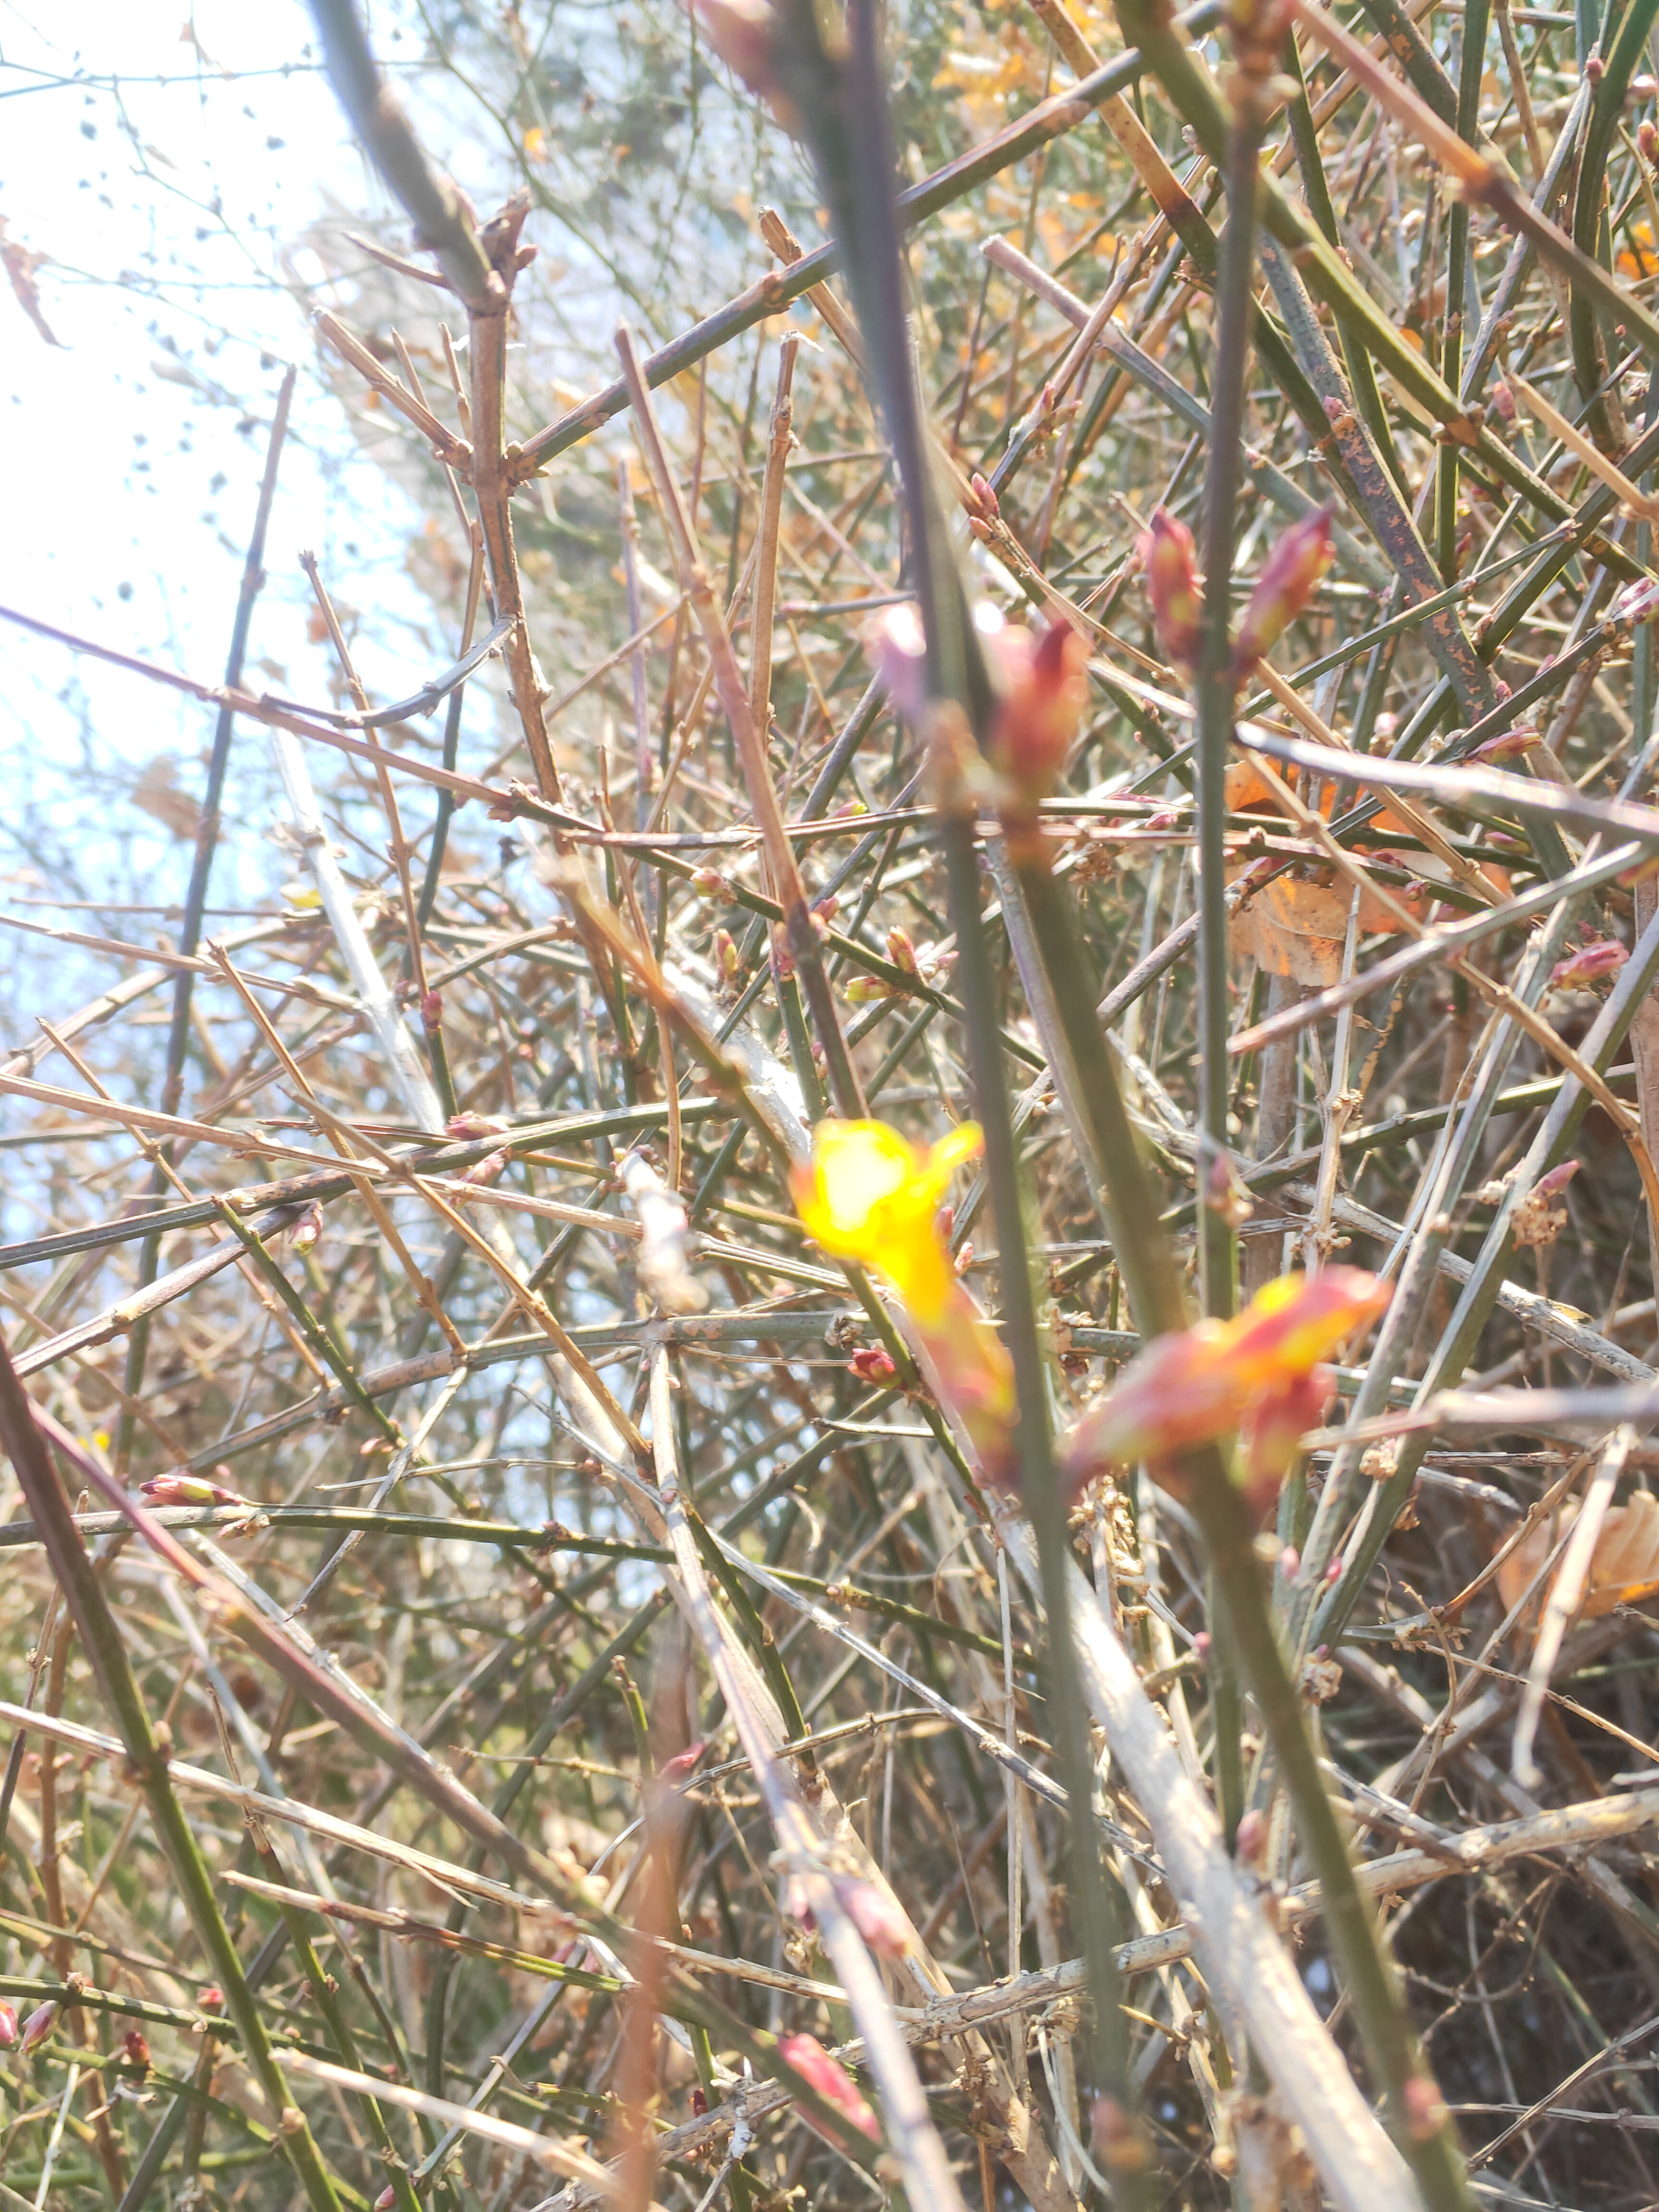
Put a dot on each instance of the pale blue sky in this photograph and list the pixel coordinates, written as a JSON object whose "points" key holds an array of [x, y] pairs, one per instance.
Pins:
{"points": [[165, 186]]}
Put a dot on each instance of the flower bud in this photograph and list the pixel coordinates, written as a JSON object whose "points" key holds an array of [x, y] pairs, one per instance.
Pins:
{"points": [[1116, 2138], [898, 652], [866, 990], [1507, 745], [211, 1999], [1045, 689], [483, 1172], [728, 959], [1647, 138], [744, 34], [1426, 2113], [8, 2025], [37, 2027], [877, 1917], [1250, 1842], [432, 1012], [900, 951], [1287, 582], [989, 505], [308, 1229], [831, 2081], [1553, 1184], [683, 1764], [1595, 69], [871, 1364], [1169, 558], [463, 1128], [710, 884], [137, 2047], [1602, 956], [181, 1489], [1637, 603], [387, 2199]]}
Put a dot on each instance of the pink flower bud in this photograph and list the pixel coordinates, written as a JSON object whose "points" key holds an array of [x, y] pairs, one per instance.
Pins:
{"points": [[463, 1128], [1595, 69], [1602, 958], [1290, 1563], [37, 2027], [876, 1916], [137, 2047], [682, 1763], [1647, 138], [1508, 744], [308, 1229], [988, 503], [1425, 2113], [1287, 582], [1637, 603], [1169, 558], [871, 1365], [744, 34], [8, 2025], [1553, 1184], [900, 951], [211, 1999], [387, 2199], [826, 908], [432, 1012], [180, 1489], [710, 884], [1116, 2138], [830, 2080], [1250, 1844], [1045, 691], [485, 1171], [898, 651]]}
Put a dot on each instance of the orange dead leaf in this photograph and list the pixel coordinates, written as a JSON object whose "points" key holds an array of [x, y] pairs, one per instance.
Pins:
{"points": [[1624, 1565]]}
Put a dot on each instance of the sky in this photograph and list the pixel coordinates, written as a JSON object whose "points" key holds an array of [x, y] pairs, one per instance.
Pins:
{"points": [[165, 163]]}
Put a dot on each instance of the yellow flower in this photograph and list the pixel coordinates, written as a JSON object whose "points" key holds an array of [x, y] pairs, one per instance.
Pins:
{"points": [[869, 1195]]}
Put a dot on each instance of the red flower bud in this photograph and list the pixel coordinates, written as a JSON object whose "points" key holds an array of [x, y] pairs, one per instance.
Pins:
{"points": [[901, 950], [699, 2102], [432, 1012], [1603, 957], [137, 2047], [8, 2025], [37, 2027], [1285, 584], [1508, 744], [832, 2082], [211, 1999], [181, 1489], [870, 1363], [980, 486], [1169, 558], [1045, 689], [1647, 138], [682, 1763]]}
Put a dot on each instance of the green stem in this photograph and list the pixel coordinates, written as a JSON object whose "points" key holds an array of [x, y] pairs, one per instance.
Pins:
{"points": [[101, 1638]]}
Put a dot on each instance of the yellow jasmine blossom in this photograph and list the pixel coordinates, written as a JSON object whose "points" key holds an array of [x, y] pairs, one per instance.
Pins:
{"points": [[867, 1194], [870, 1194]]}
